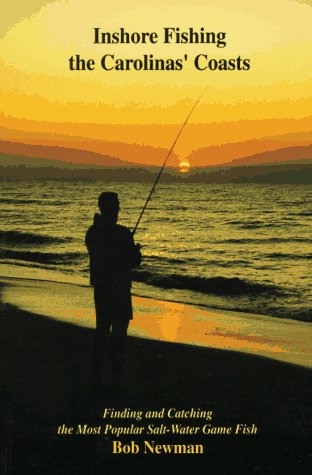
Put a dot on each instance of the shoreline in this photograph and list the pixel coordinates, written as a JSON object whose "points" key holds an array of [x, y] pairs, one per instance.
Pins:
{"points": [[217, 309], [161, 320], [217, 301], [46, 376], [135, 294]]}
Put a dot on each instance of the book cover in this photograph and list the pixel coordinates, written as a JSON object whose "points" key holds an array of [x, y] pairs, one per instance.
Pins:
{"points": [[198, 115]]}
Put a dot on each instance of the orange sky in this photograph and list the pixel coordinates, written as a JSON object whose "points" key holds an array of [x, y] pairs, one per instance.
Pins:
{"points": [[42, 102]]}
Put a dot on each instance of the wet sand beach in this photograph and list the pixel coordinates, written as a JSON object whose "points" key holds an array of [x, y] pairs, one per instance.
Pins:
{"points": [[277, 338], [46, 376]]}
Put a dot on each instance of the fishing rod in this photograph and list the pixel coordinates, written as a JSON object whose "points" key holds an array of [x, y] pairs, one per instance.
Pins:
{"points": [[166, 159]]}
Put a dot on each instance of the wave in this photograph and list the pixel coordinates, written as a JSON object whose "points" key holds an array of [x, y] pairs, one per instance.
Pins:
{"points": [[302, 213], [16, 237], [280, 255], [41, 257], [261, 226], [57, 203], [264, 240], [251, 224], [169, 260], [207, 285], [17, 201], [196, 263]]}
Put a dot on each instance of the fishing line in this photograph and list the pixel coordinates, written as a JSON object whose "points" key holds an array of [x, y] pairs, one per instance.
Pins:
{"points": [[166, 159]]}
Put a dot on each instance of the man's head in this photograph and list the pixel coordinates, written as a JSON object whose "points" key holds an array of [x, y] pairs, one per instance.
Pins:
{"points": [[109, 206]]}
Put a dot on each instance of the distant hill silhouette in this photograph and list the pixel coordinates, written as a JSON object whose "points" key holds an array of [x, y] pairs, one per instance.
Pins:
{"points": [[225, 153], [80, 149], [17, 153], [64, 154], [290, 173], [280, 155], [138, 148], [217, 155], [8, 160], [295, 173]]}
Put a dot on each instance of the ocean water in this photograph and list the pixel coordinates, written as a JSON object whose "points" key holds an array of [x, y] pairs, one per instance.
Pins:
{"points": [[234, 247]]}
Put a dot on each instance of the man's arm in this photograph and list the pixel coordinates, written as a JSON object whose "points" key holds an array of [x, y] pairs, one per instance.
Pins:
{"points": [[130, 253], [90, 240], [136, 255]]}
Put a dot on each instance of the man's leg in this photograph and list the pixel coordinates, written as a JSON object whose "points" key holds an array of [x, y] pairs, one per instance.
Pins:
{"points": [[101, 352], [118, 349]]}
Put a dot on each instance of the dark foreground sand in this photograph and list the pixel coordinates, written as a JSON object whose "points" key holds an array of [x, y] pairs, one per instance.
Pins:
{"points": [[46, 380]]}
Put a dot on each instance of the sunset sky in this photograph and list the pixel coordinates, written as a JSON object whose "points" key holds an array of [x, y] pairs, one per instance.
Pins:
{"points": [[242, 112]]}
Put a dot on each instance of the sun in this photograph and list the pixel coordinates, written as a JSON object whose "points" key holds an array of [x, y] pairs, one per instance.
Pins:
{"points": [[184, 166]]}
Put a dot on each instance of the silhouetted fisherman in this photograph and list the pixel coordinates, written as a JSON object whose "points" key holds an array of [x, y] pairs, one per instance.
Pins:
{"points": [[112, 256]]}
